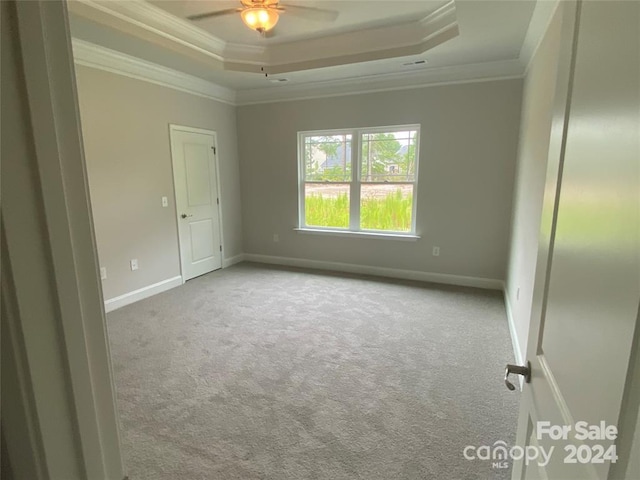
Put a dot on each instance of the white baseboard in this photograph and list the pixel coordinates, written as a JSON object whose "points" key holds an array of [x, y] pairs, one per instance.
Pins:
{"points": [[487, 283], [227, 262], [141, 293]]}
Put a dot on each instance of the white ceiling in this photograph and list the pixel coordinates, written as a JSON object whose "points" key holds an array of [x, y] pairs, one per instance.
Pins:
{"points": [[487, 31]]}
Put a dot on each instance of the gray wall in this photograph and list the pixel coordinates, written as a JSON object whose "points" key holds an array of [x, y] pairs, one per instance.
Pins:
{"points": [[469, 137], [125, 124], [537, 103]]}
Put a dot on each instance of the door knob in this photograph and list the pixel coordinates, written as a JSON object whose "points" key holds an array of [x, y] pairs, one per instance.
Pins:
{"points": [[184, 215], [518, 370]]}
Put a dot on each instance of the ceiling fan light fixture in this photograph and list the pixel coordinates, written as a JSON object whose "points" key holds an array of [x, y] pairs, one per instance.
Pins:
{"points": [[259, 19]]}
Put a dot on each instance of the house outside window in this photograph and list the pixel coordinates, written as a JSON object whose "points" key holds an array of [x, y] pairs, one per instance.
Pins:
{"points": [[359, 180]]}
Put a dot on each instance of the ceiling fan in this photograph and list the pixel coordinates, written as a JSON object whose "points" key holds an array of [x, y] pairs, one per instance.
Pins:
{"points": [[262, 15]]}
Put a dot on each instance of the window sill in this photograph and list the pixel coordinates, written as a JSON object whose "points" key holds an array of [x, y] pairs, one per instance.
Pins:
{"points": [[405, 237]]}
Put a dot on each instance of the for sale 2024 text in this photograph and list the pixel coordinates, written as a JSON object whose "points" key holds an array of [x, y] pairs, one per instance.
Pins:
{"points": [[582, 431]]}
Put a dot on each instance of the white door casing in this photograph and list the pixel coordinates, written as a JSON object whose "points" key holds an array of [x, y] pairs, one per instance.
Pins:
{"points": [[195, 174], [587, 287]]}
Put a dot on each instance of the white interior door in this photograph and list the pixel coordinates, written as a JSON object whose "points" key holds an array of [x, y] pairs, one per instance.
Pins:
{"points": [[197, 200], [587, 288]]}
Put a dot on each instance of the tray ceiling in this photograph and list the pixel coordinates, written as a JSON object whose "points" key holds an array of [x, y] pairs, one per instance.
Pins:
{"points": [[353, 16], [297, 45], [370, 38]]}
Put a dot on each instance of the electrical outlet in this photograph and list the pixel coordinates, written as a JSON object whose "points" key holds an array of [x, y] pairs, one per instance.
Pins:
{"points": [[165, 202], [103, 273], [436, 251], [134, 264], [276, 237]]}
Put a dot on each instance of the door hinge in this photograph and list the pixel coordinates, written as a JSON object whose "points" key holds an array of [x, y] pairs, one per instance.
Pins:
{"points": [[220, 247], [214, 150], [218, 201]]}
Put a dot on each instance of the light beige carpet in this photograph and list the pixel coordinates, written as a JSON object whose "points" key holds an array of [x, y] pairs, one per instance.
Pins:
{"points": [[259, 372]]}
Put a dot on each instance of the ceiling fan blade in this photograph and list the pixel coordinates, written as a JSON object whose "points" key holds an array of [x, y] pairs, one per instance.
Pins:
{"points": [[312, 13], [219, 13]]}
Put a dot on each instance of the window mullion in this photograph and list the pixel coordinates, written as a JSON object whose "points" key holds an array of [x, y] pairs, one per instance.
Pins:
{"points": [[354, 192], [302, 187]]}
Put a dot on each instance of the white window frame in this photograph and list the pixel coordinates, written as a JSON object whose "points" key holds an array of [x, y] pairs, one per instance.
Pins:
{"points": [[355, 182]]}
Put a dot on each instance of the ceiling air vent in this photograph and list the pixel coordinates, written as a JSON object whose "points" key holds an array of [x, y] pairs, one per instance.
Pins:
{"points": [[417, 62]]}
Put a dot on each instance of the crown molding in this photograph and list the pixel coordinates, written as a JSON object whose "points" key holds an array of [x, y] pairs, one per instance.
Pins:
{"points": [[543, 13], [95, 56], [439, 18], [478, 72], [153, 19]]}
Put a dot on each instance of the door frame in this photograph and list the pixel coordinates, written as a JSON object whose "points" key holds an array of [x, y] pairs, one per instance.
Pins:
{"points": [[69, 416], [183, 128]]}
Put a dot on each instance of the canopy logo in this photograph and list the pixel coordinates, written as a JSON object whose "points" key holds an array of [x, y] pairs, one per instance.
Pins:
{"points": [[499, 454]]}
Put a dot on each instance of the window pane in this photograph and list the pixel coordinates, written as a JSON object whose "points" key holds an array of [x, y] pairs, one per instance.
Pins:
{"points": [[327, 158], [389, 157], [326, 205], [386, 207]]}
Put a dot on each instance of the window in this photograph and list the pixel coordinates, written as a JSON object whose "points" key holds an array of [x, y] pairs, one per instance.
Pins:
{"points": [[359, 180]]}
